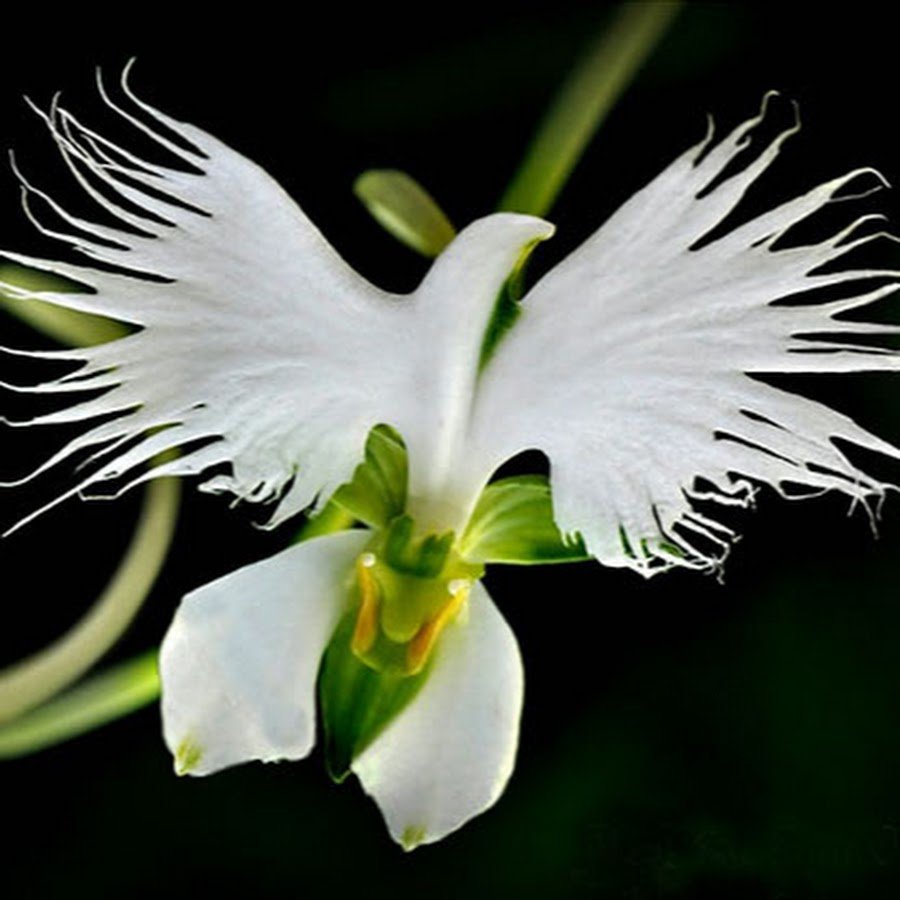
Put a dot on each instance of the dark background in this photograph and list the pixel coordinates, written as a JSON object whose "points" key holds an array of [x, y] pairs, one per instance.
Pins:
{"points": [[681, 738]]}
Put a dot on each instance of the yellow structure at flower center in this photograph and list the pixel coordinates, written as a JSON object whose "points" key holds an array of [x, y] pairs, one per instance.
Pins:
{"points": [[403, 610]]}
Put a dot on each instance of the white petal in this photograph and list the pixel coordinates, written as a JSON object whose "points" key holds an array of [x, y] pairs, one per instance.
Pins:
{"points": [[259, 347], [630, 364], [255, 336], [239, 662], [448, 756]]}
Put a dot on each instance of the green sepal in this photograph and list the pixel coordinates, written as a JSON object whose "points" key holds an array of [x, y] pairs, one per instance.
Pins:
{"points": [[377, 492], [513, 523], [356, 701]]}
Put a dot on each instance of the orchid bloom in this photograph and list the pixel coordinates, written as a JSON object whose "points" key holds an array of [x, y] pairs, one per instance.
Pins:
{"points": [[282, 377]]}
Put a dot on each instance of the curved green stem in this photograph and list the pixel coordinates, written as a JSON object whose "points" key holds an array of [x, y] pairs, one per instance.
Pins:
{"points": [[121, 690], [586, 97], [38, 677], [124, 688]]}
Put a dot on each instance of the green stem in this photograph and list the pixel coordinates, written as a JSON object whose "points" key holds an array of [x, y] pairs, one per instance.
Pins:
{"points": [[586, 97], [126, 687], [34, 680], [121, 690], [37, 678]]}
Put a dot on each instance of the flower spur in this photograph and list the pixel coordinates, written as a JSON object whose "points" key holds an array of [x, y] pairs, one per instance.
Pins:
{"points": [[282, 377]]}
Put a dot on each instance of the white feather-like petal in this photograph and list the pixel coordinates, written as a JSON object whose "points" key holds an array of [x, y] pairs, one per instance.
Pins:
{"points": [[631, 364]]}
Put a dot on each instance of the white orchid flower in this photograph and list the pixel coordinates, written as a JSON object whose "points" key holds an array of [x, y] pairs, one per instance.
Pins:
{"points": [[268, 364]]}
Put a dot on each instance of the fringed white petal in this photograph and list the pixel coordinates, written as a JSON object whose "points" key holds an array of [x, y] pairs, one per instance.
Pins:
{"points": [[631, 366], [448, 755], [259, 350], [254, 335], [239, 662]]}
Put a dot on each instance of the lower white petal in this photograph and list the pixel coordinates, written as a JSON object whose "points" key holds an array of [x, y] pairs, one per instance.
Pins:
{"points": [[239, 663], [448, 756]]}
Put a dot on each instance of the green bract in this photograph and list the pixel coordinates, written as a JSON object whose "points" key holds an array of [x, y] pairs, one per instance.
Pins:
{"points": [[513, 523], [377, 493]]}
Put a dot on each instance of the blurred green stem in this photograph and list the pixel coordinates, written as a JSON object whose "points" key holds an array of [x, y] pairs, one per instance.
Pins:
{"points": [[586, 97], [37, 678], [76, 329], [122, 689]]}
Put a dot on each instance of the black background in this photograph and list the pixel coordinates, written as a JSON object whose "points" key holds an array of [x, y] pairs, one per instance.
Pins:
{"points": [[681, 738]]}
